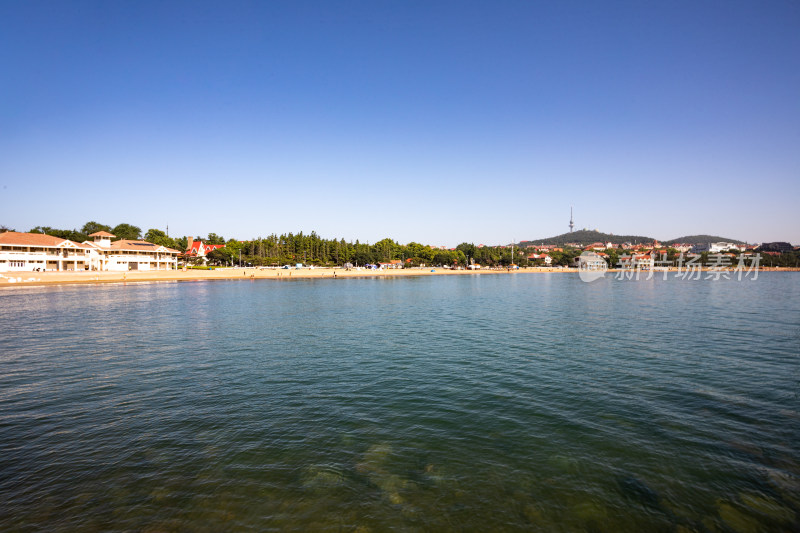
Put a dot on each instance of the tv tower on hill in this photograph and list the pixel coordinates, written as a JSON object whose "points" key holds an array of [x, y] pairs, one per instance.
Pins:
{"points": [[571, 223]]}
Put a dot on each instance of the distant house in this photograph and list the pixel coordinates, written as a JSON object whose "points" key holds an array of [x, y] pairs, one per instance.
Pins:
{"points": [[196, 248], [777, 247], [637, 261], [544, 258], [714, 247], [394, 263], [589, 261], [544, 247]]}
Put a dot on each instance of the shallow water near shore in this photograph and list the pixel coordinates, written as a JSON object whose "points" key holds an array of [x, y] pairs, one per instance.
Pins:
{"points": [[434, 403]]}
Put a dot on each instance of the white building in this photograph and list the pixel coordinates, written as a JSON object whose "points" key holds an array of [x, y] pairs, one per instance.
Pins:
{"points": [[714, 247], [637, 262], [28, 252], [590, 261]]}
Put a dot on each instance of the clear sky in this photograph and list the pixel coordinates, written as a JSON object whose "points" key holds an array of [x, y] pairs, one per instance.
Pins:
{"points": [[437, 122]]}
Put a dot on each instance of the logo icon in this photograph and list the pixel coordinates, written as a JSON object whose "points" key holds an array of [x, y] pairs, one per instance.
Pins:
{"points": [[591, 266]]}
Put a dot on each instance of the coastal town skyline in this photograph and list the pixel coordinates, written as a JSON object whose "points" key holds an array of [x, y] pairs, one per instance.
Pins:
{"points": [[443, 123], [573, 237]]}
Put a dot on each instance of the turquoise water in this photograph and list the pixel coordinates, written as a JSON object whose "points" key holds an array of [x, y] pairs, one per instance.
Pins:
{"points": [[480, 403]]}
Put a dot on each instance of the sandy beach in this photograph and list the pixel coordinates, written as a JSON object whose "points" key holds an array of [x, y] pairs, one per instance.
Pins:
{"points": [[17, 279], [32, 279]]}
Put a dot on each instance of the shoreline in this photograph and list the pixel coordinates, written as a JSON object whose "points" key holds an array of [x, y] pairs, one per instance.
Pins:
{"points": [[38, 279]]}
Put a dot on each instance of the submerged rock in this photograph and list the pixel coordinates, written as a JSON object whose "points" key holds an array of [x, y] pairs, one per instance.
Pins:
{"points": [[768, 507], [638, 491], [320, 477]]}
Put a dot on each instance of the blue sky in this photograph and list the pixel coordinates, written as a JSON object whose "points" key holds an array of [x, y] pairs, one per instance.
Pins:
{"points": [[438, 122]]}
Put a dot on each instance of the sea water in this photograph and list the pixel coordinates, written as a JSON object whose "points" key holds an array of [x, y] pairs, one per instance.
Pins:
{"points": [[478, 402]]}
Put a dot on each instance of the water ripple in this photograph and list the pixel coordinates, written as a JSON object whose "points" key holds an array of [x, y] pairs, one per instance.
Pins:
{"points": [[470, 403]]}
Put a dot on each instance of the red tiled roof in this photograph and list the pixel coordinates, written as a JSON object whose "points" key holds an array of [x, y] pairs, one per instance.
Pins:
{"points": [[143, 246], [15, 238], [29, 239], [102, 234], [194, 249]]}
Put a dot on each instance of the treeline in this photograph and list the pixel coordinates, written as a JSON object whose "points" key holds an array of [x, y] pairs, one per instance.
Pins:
{"points": [[785, 259], [120, 231], [311, 249]]}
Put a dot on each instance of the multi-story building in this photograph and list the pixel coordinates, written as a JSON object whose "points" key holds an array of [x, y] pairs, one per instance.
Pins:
{"points": [[29, 252], [777, 247], [590, 261], [714, 247]]}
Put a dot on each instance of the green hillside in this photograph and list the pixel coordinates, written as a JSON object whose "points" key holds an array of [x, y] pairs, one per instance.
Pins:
{"points": [[702, 239], [586, 237]]}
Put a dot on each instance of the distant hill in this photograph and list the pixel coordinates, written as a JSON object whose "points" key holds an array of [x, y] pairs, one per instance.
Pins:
{"points": [[701, 239], [587, 237]]}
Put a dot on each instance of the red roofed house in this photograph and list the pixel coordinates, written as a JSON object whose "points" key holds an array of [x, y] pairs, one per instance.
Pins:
{"points": [[637, 261], [198, 249], [546, 259]]}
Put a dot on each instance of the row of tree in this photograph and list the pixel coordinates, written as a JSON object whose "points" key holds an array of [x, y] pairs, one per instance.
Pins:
{"points": [[311, 249], [120, 231]]}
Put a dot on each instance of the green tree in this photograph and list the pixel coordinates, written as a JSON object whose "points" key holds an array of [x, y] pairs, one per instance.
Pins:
{"points": [[156, 236], [181, 244], [127, 231], [94, 227], [220, 256], [385, 249], [70, 234], [153, 234], [213, 238]]}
